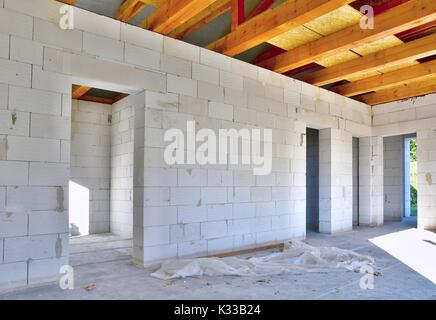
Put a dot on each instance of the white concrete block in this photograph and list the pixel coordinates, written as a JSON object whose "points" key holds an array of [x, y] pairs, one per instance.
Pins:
{"points": [[33, 149], [185, 232], [193, 106], [48, 222], [35, 101], [141, 37], [244, 210], [51, 81], [157, 235], [247, 116], [240, 226], [36, 198], [181, 85], [14, 123], [65, 151], [50, 34], [238, 194], [142, 57], [4, 46], [2, 199], [46, 270], [192, 177], [35, 247], [260, 194], [47, 126], [161, 101], [213, 195], [160, 216], [3, 147], [210, 91], [220, 245], [176, 66], [205, 73], [103, 47], [160, 177], [217, 212], [157, 253], [13, 275], [231, 80], [214, 59], [192, 248], [16, 24], [219, 178], [213, 229], [181, 49], [185, 196], [15, 73], [4, 96], [14, 173], [191, 214], [220, 111], [97, 24], [48, 174], [235, 97], [13, 224], [156, 196], [24, 50]]}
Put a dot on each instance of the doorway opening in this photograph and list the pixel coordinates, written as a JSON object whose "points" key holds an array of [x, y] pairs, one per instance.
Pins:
{"points": [[101, 175], [410, 178], [312, 179]]}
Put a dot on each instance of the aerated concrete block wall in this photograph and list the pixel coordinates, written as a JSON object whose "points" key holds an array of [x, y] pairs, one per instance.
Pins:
{"points": [[90, 167], [186, 210], [393, 183], [121, 193], [417, 115]]}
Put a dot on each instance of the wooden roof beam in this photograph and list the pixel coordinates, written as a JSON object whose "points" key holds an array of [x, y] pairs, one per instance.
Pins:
{"points": [[387, 80], [398, 19], [417, 49], [405, 91], [273, 22], [207, 15], [238, 13], [174, 13]]}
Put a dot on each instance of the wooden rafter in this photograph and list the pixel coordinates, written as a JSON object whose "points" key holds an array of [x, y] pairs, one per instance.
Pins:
{"points": [[404, 91], [398, 19], [207, 15], [174, 13], [79, 91], [238, 15], [273, 22], [130, 9], [70, 2], [403, 53], [391, 79]]}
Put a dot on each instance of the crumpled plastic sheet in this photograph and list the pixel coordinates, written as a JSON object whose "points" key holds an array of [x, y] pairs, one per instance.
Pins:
{"points": [[296, 256]]}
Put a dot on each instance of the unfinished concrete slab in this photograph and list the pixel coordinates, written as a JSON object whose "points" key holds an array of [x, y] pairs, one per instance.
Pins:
{"points": [[104, 261]]}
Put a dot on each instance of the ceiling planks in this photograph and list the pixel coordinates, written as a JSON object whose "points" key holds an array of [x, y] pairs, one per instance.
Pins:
{"points": [[391, 79], [273, 22], [404, 91], [79, 91], [406, 52], [398, 19]]}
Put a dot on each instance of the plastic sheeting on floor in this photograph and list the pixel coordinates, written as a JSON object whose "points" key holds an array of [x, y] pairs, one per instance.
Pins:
{"points": [[296, 256]]}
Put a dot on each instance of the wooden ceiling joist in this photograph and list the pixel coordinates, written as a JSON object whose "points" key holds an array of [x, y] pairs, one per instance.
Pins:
{"points": [[207, 15], [273, 22], [130, 9], [391, 79], [403, 53], [79, 91], [174, 13], [398, 19], [414, 89]]}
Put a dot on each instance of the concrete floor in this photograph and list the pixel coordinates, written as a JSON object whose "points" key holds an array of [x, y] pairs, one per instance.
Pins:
{"points": [[104, 260]]}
